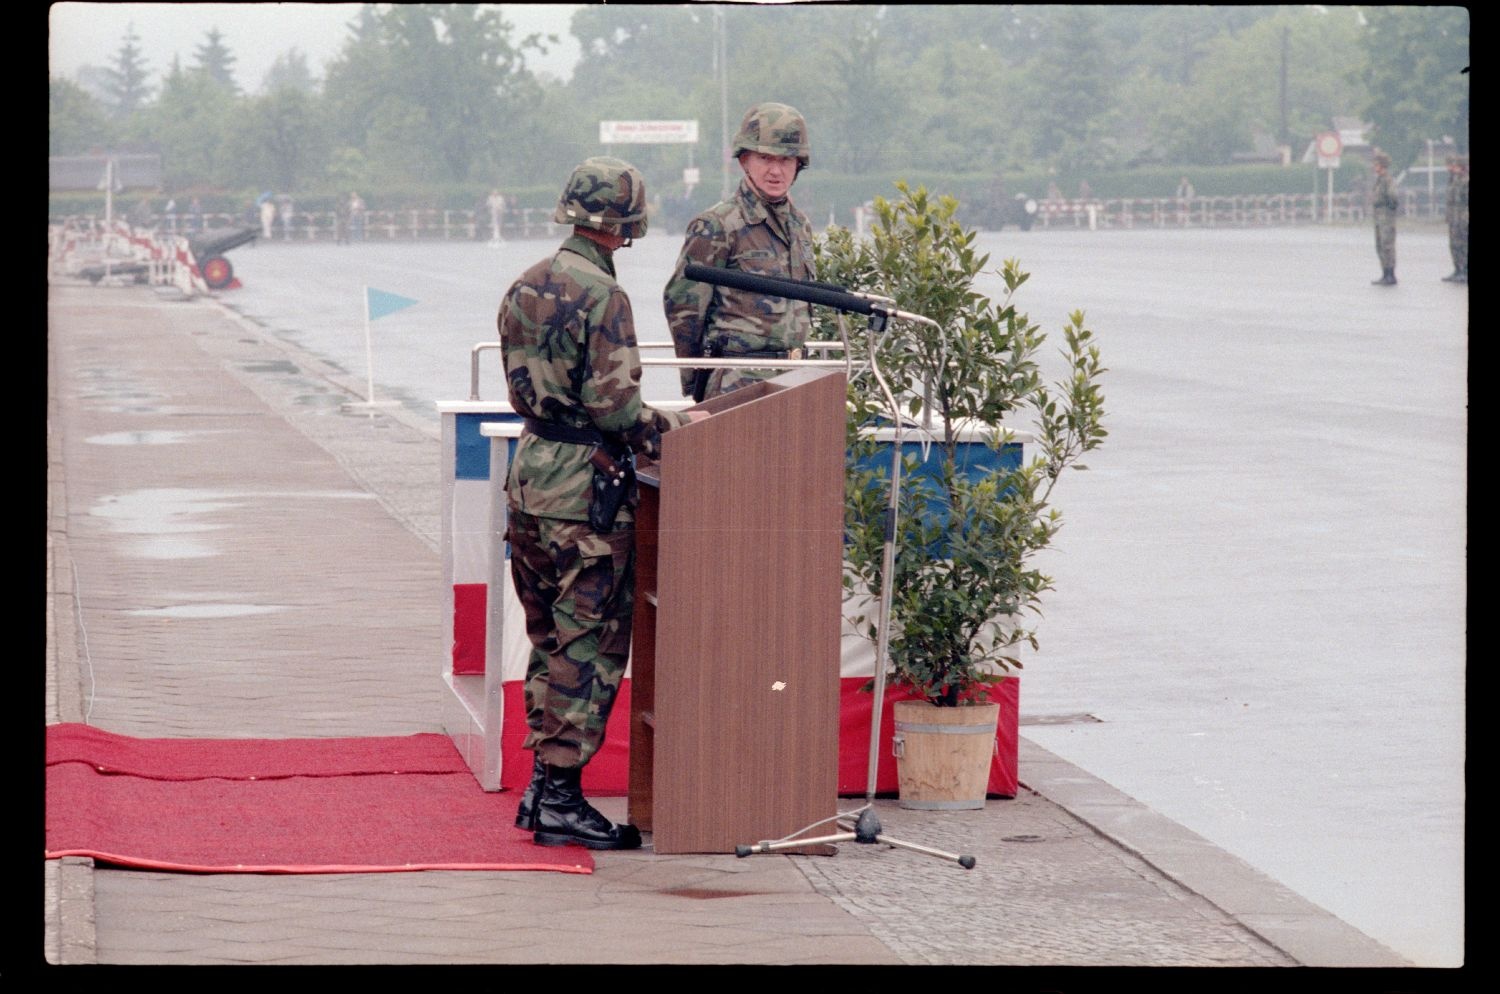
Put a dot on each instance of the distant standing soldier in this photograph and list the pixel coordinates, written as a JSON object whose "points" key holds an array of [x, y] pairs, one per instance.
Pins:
{"points": [[496, 203], [356, 217], [1458, 217], [1383, 205], [757, 230], [267, 215], [574, 373]]}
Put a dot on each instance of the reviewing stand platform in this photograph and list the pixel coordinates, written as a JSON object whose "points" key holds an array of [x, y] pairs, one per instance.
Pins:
{"points": [[734, 718]]}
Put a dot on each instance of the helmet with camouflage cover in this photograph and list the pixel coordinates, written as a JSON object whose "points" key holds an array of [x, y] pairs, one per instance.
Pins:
{"points": [[606, 194], [774, 129]]}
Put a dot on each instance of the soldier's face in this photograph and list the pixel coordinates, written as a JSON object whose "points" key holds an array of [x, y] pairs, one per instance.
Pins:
{"points": [[773, 175]]}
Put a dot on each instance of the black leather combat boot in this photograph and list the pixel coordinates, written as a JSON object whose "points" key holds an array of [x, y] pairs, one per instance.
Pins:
{"points": [[1387, 278], [527, 808], [565, 818]]}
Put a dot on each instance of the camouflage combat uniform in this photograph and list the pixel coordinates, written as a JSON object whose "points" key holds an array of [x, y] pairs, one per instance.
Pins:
{"points": [[756, 236], [1383, 206], [1458, 223], [570, 359]]}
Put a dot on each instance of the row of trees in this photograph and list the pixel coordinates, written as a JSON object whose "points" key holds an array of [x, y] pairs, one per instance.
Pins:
{"points": [[441, 94]]}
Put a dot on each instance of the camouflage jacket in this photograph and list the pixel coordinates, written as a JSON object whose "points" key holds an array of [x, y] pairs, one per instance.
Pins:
{"points": [[1458, 200], [568, 339], [745, 233], [1383, 199]]}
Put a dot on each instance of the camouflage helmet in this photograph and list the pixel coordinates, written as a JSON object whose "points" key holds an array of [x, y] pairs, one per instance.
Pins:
{"points": [[606, 194], [774, 129], [1382, 159]]}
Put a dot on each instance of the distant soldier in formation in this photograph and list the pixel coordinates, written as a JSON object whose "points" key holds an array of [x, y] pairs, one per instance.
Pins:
{"points": [[1458, 217], [267, 215], [574, 375], [496, 204], [757, 230], [1383, 205]]}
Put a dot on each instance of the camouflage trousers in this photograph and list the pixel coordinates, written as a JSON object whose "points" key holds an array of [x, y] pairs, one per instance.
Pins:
{"points": [[1458, 245], [577, 587], [1385, 243]]}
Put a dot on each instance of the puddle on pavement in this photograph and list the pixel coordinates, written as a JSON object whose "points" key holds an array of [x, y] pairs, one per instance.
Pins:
{"points": [[153, 437], [270, 366], [164, 521], [318, 400], [1077, 718]]}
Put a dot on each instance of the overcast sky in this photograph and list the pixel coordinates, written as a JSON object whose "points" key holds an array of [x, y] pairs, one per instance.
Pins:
{"points": [[82, 34]]}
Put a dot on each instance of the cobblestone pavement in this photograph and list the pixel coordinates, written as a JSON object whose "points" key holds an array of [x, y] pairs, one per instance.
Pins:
{"points": [[234, 550]]}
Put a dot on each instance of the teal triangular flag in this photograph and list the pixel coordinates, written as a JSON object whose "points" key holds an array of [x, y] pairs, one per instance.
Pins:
{"points": [[382, 303]]}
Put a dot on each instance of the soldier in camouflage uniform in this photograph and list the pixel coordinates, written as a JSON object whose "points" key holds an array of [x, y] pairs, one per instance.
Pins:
{"points": [[1383, 204], [574, 374], [759, 231], [1458, 218]]}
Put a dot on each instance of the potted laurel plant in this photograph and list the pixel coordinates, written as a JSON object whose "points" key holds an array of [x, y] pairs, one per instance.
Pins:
{"points": [[973, 511]]}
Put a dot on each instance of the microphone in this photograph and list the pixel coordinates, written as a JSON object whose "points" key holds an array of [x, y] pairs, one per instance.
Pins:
{"points": [[812, 292], [827, 294]]}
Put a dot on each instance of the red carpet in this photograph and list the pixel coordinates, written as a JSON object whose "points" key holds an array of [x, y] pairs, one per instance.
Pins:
{"points": [[365, 805]]}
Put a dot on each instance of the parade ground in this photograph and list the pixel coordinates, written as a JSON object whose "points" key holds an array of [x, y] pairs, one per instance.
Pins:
{"points": [[237, 549]]}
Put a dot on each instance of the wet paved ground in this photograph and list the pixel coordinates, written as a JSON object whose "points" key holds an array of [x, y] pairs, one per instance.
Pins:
{"points": [[1260, 585], [234, 553]]}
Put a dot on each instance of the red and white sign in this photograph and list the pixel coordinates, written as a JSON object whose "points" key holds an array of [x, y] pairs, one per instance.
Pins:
{"points": [[1329, 146], [648, 132]]}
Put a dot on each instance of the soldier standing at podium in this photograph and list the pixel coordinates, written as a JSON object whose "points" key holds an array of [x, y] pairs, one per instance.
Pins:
{"points": [[573, 372], [757, 230]]}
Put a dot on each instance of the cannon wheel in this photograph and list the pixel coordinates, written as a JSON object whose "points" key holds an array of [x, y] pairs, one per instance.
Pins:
{"points": [[218, 273]]}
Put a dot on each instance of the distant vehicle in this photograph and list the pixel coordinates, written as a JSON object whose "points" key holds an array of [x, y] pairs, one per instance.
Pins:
{"points": [[994, 214], [1020, 211]]}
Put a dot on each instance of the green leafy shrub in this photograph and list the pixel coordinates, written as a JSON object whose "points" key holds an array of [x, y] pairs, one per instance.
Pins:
{"points": [[964, 584]]}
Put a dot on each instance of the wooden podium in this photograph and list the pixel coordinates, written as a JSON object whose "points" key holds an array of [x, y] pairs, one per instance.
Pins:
{"points": [[734, 719]]}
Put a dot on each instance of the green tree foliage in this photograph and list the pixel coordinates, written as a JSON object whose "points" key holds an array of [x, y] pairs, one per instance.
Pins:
{"points": [[276, 140], [440, 94], [1233, 88], [1069, 86], [290, 72], [187, 125], [126, 78], [214, 59], [432, 91], [1417, 77], [75, 121], [859, 128], [962, 573]]}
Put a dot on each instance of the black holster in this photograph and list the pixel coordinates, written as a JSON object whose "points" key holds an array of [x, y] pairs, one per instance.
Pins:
{"points": [[613, 485]]}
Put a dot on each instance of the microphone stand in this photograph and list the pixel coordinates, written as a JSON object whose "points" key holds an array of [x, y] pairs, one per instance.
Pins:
{"points": [[861, 825]]}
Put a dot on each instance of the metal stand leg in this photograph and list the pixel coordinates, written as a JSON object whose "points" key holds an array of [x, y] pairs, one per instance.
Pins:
{"points": [[866, 830]]}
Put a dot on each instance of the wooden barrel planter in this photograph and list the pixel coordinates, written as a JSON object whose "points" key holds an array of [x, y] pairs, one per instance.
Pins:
{"points": [[943, 754]]}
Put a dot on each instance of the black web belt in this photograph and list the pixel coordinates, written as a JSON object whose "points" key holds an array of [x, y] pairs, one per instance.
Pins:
{"points": [[554, 432]]}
